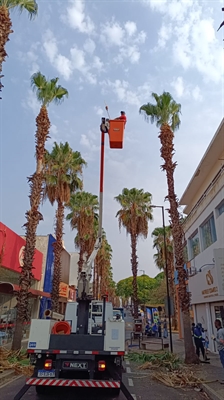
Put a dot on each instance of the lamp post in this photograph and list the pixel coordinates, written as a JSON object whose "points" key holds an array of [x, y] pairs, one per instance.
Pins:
{"points": [[167, 281]]}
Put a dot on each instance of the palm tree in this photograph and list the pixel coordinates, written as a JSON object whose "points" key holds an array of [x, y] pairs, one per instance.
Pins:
{"points": [[134, 215], [102, 269], [47, 92], [166, 113], [159, 258], [62, 172], [83, 208], [6, 24]]}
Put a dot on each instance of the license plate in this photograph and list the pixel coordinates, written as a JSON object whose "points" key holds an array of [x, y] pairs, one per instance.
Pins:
{"points": [[75, 365], [46, 374]]}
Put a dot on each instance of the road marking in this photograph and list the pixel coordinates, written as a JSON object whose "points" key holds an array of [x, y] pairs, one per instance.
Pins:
{"points": [[127, 362], [128, 369], [134, 397], [130, 382]]}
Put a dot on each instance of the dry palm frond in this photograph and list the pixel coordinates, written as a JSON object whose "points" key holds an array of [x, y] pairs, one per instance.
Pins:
{"points": [[178, 379], [16, 360]]}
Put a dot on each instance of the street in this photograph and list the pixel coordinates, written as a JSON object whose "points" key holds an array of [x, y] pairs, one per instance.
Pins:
{"points": [[139, 383]]}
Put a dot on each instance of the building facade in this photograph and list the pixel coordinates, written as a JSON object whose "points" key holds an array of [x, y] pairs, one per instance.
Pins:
{"points": [[204, 235], [11, 260]]}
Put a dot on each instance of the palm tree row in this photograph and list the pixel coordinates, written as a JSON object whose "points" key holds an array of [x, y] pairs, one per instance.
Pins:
{"points": [[160, 261]]}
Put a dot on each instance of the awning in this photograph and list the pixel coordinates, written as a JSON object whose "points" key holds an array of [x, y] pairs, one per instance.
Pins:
{"points": [[9, 288]]}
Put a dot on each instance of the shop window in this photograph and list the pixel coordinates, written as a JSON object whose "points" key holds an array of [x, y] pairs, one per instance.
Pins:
{"points": [[220, 209], [208, 232], [194, 245]]}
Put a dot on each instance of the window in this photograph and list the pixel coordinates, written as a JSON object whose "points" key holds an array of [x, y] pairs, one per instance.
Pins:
{"points": [[208, 232], [194, 245], [220, 209]]}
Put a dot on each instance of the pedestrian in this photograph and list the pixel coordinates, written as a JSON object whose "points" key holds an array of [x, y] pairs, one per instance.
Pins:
{"points": [[165, 332], [198, 341], [206, 344], [219, 340], [192, 328]]}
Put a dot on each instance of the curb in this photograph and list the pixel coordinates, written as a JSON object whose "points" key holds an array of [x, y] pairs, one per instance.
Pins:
{"points": [[211, 393], [7, 382]]}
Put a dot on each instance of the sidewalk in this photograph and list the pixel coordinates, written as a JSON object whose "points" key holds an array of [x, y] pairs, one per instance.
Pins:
{"points": [[211, 373]]}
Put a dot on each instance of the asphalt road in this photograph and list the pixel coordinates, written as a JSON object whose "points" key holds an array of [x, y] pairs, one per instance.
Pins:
{"points": [[140, 385]]}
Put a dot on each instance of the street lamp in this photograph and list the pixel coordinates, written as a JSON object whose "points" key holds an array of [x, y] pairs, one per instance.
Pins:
{"points": [[167, 281]]}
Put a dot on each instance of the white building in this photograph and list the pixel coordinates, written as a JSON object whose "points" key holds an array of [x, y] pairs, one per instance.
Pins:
{"points": [[204, 234]]}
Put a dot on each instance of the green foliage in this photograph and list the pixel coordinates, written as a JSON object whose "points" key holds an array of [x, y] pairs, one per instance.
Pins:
{"points": [[165, 111], [29, 5], [165, 359], [47, 91], [135, 211], [145, 285]]}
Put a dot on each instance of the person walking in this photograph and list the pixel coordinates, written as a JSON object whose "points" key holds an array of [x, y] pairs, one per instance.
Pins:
{"points": [[219, 339]]}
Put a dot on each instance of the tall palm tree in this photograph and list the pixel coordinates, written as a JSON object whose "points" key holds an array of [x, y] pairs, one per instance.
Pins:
{"points": [[160, 260], [62, 173], [83, 208], [6, 24], [166, 113], [47, 92], [134, 215], [103, 269]]}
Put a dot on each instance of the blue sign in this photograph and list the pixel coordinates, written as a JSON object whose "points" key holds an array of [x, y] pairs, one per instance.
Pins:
{"points": [[32, 345]]}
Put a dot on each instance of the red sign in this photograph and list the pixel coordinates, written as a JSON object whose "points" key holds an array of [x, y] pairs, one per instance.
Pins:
{"points": [[12, 251], [63, 290]]}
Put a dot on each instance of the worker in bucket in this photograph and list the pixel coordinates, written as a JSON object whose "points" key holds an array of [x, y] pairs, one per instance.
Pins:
{"points": [[122, 117]]}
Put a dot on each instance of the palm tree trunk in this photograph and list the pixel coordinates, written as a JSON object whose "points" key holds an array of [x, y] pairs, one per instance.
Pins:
{"points": [[33, 217], [134, 264], [5, 30], [58, 247], [167, 151], [94, 280], [81, 254]]}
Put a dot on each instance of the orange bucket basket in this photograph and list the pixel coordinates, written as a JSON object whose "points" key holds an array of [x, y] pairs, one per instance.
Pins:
{"points": [[116, 134], [61, 328]]}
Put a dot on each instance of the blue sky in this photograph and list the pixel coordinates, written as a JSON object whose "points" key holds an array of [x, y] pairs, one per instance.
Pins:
{"points": [[119, 52]]}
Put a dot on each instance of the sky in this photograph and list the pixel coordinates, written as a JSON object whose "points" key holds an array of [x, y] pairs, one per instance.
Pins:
{"points": [[118, 53]]}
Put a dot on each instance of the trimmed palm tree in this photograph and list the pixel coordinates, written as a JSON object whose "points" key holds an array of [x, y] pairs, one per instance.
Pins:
{"points": [[62, 173], [166, 113], [6, 24], [83, 208], [47, 91], [160, 260], [134, 215], [102, 269]]}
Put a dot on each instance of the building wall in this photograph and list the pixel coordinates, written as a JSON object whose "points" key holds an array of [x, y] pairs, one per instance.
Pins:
{"points": [[73, 278], [206, 208]]}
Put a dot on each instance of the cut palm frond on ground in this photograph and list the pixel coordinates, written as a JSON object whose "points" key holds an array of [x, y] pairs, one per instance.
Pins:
{"points": [[16, 360]]}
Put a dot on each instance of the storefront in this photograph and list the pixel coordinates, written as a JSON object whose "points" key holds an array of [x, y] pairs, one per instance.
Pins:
{"points": [[207, 295], [11, 261]]}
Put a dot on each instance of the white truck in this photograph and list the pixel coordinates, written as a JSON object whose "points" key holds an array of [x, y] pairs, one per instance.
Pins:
{"points": [[78, 360], [86, 349]]}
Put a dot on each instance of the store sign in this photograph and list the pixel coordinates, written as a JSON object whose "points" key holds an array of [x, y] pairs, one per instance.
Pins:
{"points": [[13, 252], [204, 286], [219, 263], [63, 290]]}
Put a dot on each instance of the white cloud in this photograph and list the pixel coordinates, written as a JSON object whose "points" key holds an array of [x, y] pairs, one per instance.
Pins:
{"points": [[188, 32], [60, 62], [99, 111], [130, 27], [183, 90], [31, 102], [77, 18], [97, 63], [125, 94], [89, 46], [125, 39], [78, 59], [178, 86]]}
